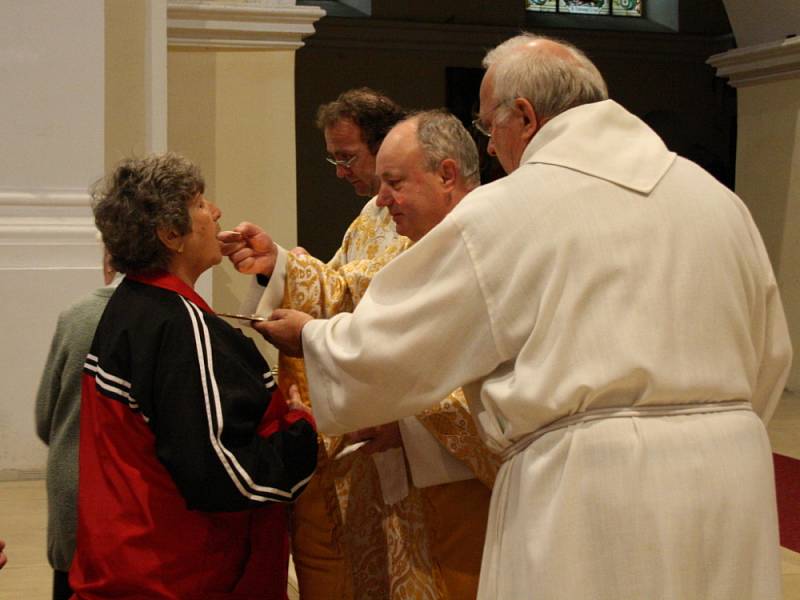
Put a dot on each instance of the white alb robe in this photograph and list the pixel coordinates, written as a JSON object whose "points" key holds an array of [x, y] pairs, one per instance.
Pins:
{"points": [[603, 274]]}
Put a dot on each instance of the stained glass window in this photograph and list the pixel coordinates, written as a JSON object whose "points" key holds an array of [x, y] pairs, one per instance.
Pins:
{"points": [[618, 8]]}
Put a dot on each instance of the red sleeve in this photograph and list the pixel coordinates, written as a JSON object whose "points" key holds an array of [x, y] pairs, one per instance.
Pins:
{"points": [[278, 417]]}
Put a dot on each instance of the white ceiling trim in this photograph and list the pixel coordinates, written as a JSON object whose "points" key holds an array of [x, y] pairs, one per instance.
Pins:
{"points": [[203, 24], [763, 63]]}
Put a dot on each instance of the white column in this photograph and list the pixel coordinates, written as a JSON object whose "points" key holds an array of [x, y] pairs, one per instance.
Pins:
{"points": [[52, 107], [232, 112], [767, 79]]}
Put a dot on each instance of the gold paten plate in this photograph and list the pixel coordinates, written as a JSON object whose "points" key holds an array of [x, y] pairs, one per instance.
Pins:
{"points": [[242, 317]]}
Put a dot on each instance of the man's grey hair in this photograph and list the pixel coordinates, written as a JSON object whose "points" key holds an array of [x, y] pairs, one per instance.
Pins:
{"points": [[441, 135], [552, 82]]}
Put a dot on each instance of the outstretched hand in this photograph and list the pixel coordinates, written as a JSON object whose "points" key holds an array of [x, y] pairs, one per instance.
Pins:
{"points": [[284, 330], [249, 248]]}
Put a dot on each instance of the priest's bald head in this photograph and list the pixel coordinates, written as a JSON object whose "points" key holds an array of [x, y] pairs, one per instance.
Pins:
{"points": [[426, 165], [529, 80]]}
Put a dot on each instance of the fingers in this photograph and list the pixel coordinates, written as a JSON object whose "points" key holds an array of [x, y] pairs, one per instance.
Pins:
{"points": [[241, 253], [238, 236], [373, 447], [279, 314], [241, 232], [260, 327], [246, 235], [295, 401], [230, 242], [284, 330], [255, 237], [244, 261], [230, 236], [379, 439], [267, 329], [248, 230], [229, 249], [247, 260], [359, 436], [294, 394]]}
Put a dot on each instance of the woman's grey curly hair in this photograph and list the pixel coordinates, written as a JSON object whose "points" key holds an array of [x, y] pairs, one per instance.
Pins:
{"points": [[136, 200]]}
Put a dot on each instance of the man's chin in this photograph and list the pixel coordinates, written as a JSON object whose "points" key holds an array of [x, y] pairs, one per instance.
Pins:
{"points": [[363, 190], [399, 226]]}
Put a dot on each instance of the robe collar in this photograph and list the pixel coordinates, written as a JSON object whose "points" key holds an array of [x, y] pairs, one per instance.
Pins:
{"points": [[168, 281], [603, 140]]}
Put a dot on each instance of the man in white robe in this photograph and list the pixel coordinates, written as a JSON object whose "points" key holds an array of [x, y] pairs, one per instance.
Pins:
{"points": [[620, 338], [366, 527]]}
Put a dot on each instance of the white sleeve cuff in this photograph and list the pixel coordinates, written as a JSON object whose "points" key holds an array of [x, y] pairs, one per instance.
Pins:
{"points": [[260, 300], [272, 297]]}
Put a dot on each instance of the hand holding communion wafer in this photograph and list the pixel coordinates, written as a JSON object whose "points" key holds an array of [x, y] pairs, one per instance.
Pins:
{"points": [[249, 248]]}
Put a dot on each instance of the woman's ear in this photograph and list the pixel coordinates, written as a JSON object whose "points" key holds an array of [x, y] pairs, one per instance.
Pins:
{"points": [[171, 239]]}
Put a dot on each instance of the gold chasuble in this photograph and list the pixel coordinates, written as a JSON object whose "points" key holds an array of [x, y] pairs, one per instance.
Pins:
{"points": [[348, 541]]}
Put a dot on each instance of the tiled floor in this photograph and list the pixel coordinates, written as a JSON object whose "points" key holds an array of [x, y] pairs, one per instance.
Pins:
{"points": [[23, 514]]}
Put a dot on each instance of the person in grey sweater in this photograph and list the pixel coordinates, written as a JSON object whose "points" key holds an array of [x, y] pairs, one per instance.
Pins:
{"points": [[57, 423]]}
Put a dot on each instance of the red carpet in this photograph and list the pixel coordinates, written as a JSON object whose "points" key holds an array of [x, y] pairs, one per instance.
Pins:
{"points": [[787, 482]]}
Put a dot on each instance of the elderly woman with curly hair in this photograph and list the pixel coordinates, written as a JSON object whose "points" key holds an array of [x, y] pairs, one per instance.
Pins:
{"points": [[188, 452]]}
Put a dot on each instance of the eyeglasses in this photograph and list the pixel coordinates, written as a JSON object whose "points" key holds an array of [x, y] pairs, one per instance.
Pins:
{"points": [[483, 129], [345, 163], [477, 124]]}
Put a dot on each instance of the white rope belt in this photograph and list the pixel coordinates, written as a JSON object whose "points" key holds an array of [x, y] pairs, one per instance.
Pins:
{"points": [[663, 410]]}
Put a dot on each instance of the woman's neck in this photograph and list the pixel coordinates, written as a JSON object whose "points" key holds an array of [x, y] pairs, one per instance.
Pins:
{"points": [[182, 271]]}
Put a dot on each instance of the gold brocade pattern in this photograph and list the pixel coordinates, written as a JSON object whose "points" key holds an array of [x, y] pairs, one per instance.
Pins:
{"points": [[385, 546], [452, 425]]}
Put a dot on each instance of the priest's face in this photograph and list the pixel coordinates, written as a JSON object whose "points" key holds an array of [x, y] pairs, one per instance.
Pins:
{"points": [[345, 144], [416, 198], [504, 122]]}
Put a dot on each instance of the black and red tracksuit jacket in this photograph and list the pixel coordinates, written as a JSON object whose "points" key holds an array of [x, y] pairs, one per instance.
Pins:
{"points": [[188, 454]]}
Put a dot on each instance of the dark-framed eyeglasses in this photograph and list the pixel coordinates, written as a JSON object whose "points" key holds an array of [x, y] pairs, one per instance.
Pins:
{"points": [[345, 163]]}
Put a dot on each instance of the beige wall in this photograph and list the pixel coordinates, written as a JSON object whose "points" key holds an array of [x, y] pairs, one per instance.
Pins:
{"points": [[232, 113], [125, 78], [768, 180], [136, 79]]}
